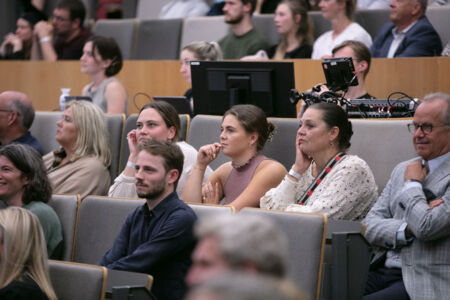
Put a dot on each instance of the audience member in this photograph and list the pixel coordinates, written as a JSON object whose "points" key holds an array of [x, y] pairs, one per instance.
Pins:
{"points": [[340, 14], [17, 116], [184, 9], [324, 179], [209, 51], [23, 258], [160, 121], [18, 45], [410, 221], [102, 60], [373, 4], [80, 166], [249, 175], [69, 36], [408, 34], [291, 19], [446, 51], [243, 39], [26, 185], [157, 237], [438, 2], [244, 286], [247, 244]]}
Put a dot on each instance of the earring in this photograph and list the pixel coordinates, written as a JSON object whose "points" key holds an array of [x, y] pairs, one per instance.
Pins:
{"points": [[331, 143]]}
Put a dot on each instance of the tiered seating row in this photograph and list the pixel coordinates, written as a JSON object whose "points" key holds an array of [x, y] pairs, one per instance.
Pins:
{"points": [[163, 39]]}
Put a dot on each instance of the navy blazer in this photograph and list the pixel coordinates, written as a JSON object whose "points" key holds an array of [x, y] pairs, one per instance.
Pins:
{"points": [[421, 40]]}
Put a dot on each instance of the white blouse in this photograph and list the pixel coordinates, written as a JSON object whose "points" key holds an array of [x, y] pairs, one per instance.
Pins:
{"points": [[347, 192]]}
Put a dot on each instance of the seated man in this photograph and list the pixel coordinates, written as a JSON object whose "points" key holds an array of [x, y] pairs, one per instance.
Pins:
{"points": [[157, 237], [408, 34], [243, 39], [156, 120], [410, 221], [17, 114], [246, 244], [69, 36]]}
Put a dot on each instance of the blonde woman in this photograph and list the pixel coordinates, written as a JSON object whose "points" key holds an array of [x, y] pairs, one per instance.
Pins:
{"points": [[23, 257], [80, 166]]}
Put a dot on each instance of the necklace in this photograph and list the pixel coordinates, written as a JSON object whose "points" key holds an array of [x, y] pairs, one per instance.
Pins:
{"points": [[240, 166]]}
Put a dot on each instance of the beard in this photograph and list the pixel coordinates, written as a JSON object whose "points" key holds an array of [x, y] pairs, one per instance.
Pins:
{"points": [[157, 189], [235, 20]]}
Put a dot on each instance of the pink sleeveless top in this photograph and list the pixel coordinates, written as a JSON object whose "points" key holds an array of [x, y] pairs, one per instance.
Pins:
{"points": [[240, 177]]}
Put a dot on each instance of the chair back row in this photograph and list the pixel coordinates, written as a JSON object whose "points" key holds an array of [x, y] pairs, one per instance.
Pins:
{"points": [[145, 38]]}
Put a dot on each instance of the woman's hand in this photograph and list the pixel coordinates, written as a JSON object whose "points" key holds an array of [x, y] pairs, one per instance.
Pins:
{"points": [[211, 194], [132, 142], [302, 161], [207, 153]]}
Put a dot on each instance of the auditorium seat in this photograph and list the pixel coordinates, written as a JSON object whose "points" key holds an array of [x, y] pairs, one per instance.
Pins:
{"points": [[208, 210], [66, 207], [99, 222], [149, 9], [440, 18], [382, 143], [282, 146], [158, 39], [205, 129], [130, 124], [73, 281], [123, 31], [207, 29], [372, 19], [44, 129], [306, 235], [118, 278], [115, 128], [265, 25]]}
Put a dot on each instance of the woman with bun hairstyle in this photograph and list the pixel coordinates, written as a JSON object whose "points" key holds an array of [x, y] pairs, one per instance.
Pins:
{"points": [[324, 179], [249, 175]]}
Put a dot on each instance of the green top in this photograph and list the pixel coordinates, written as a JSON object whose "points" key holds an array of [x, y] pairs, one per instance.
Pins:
{"points": [[236, 47], [50, 225]]}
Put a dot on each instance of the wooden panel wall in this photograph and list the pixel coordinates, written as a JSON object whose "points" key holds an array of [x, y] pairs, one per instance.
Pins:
{"points": [[42, 80]]}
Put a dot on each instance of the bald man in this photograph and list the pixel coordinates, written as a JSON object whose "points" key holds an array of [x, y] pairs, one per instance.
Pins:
{"points": [[16, 117]]}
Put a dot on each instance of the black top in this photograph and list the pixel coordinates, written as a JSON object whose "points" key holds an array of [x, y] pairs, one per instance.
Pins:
{"points": [[302, 51], [26, 290]]}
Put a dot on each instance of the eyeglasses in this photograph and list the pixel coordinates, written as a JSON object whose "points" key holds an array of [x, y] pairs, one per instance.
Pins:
{"points": [[59, 19], [426, 128], [6, 110]]}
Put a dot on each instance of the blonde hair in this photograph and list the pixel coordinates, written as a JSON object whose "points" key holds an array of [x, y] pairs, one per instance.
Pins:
{"points": [[205, 50], [304, 30], [93, 136], [24, 249]]}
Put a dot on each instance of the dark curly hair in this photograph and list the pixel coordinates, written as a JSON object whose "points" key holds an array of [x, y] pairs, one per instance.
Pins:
{"points": [[253, 119], [334, 115], [108, 48], [31, 166]]}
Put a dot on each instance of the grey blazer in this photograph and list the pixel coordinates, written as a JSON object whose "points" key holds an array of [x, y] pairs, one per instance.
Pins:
{"points": [[426, 260]]}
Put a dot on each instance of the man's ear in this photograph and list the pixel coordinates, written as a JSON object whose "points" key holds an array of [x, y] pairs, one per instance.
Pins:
{"points": [[12, 117], [76, 24], [248, 7], [362, 66], [173, 175]]}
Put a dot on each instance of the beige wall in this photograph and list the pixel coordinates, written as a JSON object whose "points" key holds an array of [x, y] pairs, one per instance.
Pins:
{"points": [[42, 80]]}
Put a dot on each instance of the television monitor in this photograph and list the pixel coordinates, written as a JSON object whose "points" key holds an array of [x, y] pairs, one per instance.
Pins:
{"points": [[181, 104], [339, 73], [218, 85]]}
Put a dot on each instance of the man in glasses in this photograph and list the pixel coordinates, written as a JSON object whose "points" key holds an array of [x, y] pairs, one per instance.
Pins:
{"points": [[16, 117], [410, 222], [69, 36]]}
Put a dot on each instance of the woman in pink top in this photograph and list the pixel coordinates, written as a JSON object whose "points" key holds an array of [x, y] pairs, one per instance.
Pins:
{"points": [[249, 175]]}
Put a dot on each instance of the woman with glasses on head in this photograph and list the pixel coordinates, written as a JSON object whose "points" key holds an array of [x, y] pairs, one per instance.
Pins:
{"points": [[324, 179], [23, 257]]}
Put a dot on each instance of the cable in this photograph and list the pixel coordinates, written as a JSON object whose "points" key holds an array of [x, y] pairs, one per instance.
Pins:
{"points": [[140, 94]]}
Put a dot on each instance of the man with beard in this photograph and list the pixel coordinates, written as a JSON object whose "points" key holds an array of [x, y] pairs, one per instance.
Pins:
{"points": [[69, 36], [157, 237], [243, 39]]}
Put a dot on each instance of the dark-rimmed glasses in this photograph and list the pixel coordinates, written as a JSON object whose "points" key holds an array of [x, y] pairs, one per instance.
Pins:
{"points": [[426, 128]]}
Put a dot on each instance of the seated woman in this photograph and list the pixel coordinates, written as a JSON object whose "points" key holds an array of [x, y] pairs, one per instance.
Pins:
{"points": [[340, 14], [249, 175], [23, 258], [209, 51], [27, 186], [80, 166], [18, 45], [102, 60], [324, 179], [293, 25], [157, 120]]}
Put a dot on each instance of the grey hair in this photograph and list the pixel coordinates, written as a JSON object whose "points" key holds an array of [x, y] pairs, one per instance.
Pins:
{"points": [[423, 5], [244, 286], [444, 98], [245, 239], [25, 111]]}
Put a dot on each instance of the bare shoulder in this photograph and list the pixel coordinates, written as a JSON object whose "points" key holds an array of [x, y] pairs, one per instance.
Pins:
{"points": [[223, 171], [271, 165]]}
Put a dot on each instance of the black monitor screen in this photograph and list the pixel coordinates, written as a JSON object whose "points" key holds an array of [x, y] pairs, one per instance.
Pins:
{"points": [[218, 85]]}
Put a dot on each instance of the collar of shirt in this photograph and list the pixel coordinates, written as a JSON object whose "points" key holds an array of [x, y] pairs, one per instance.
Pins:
{"points": [[435, 162], [161, 207], [395, 32]]}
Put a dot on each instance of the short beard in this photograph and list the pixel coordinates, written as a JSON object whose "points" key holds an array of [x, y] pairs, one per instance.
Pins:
{"points": [[234, 21], [154, 192]]}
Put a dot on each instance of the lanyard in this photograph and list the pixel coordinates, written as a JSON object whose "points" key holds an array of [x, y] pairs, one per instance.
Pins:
{"points": [[327, 169]]}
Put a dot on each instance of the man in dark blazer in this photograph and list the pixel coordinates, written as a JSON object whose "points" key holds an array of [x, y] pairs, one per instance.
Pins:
{"points": [[409, 33], [410, 222]]}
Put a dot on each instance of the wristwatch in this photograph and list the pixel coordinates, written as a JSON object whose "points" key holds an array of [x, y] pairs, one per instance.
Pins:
{"points": [[294, 174]]}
